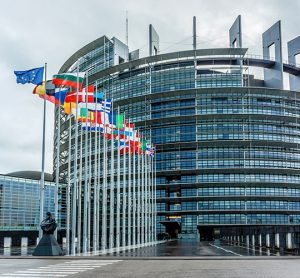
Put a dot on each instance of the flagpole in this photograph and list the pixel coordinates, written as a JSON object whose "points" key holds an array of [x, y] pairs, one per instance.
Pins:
{"points": [[149, 197], [79, 194], [155, 208], [146, 196], [143, 200], [152, 199], [118, 189], [85, 208], [129, 194], [124, 195], [42, 185], [133, 195], [98, 194], [139, 199], [74, 207], [68, 188], [111, 214], [57, 161], [95, 180], [104, 194], [89, 192]]}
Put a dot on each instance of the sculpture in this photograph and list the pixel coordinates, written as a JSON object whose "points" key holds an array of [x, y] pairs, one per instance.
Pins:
{"points": [[48, 225], [48, 245]]}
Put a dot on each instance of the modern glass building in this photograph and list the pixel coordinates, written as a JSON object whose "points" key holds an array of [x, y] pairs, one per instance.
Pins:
{"points": [[20, 207], [226, 130]]}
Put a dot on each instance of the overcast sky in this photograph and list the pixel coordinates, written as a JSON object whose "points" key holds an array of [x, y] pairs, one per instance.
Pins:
{"points": [[33, 32]]}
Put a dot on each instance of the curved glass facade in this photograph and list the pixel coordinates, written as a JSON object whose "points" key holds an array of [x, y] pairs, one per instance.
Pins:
{"points": [[19, 203], [227, 153]]}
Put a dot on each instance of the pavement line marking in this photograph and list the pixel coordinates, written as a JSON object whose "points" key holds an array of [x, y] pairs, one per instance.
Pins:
{"points": [[254, 249], [34, 275], [226, 250], [48, 272], [61, 269], [52, 271]]}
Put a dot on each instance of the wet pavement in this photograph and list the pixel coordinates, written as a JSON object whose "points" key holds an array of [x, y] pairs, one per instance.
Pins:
{"points": [[195, 248], [177, 248]]}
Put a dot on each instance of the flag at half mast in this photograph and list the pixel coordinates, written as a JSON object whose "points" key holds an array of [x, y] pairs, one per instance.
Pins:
{"points": [[69, 79]]}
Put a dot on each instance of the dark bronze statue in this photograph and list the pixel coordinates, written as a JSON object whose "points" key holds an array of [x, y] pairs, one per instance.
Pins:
{"points": [[48, 245], [49, 225]]}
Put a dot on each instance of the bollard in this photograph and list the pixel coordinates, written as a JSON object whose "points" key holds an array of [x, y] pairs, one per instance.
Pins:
{"points": [[253, 240], [260, 240], [64, 240], [268, 240], [247, 240], [7, 242], [24, 241], [289, 241], [277, 240]]}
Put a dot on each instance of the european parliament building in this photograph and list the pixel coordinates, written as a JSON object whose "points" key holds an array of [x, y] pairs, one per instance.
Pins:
{"points": [[225, 127]]}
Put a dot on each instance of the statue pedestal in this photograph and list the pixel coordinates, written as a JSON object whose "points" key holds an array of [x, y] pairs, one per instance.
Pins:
{"points": [[48, 246]]}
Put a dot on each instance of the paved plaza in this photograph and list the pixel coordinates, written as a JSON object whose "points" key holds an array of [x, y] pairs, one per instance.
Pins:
{"points": [[231, 268], [181, 258]]}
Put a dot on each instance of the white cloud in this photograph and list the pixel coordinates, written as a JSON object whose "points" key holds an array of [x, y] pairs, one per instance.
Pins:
{"points": [[34, 32]]}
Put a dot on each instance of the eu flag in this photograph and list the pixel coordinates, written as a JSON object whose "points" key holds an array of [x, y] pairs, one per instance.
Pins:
{"points": [[34, 76]]}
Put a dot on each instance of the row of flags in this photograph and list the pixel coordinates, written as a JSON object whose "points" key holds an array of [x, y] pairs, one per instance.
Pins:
{"points": [[92, 107]]}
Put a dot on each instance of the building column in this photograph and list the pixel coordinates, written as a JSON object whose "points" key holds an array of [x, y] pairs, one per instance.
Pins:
{"points": [[289, 244], [268, 240], [277, 240]]}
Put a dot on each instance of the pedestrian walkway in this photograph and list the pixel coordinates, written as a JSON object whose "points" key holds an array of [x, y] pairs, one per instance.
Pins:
{"points": [[67, 268]]}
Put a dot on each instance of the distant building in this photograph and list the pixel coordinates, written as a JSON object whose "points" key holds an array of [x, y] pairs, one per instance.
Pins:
{"points": [[19, 205]]}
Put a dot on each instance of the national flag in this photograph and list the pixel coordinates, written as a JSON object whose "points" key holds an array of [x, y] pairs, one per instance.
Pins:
{"points": [[119, 121], [34, 76], [152, 151], [60, 95], [98, 96], [84, 95], [106, 105], [50, 88], [143, 145], [93, 106], [148, 148], [69, 79], [40, 90], [86, 116], [102, 118], [68, 106], [124, 146], [92, 127]]}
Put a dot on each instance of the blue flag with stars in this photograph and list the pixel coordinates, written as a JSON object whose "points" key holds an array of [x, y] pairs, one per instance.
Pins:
{"points": [[34, 76]]}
